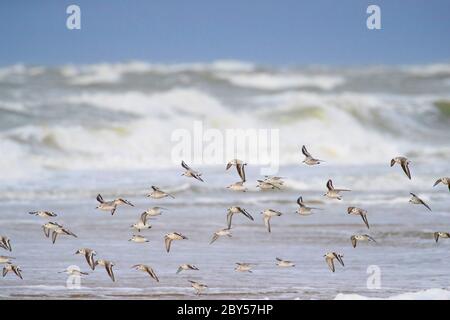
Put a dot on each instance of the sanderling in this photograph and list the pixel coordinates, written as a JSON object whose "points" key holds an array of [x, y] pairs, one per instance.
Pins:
{"points": [[266, 185], [199, 287], [333, 193], [159, 194], [243, 267], [234, 210], [240, 167], [309, 159], [444, 181], [360, 237], [49, 226], [111, 205], [220, 233], [303, 209], [416, 200], [61, 231], [404, 163], [329, 258], [147, 269], [11, 267], [237, 186], [89, 255], [108, 267], [359, 212], [284, 263], [138, 239], [168, 238], [268, 214], [442, 235], [191, 173], [43, 214], [186, 266], [142, 222], [5, 243]]}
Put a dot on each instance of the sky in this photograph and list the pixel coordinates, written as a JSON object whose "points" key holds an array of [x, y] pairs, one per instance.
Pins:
{"points": [[283, 32]]}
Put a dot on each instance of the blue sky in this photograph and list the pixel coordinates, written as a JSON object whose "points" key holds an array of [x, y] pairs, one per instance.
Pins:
{"points": [[283, 32]]}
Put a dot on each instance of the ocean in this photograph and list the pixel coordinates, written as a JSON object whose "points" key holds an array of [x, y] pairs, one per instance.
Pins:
{"points": [[70, 132]]}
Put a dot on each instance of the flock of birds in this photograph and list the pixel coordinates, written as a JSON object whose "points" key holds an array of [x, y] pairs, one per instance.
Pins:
{"points": [[54, 229]]}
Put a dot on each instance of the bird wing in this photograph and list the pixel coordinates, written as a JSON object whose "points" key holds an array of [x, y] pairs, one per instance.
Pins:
{"points": [[305, 152], [54, 235], [184, 165], [436, 236], [167, 241], [152, 274], [144, 217], [392, 162], [110, 272], [197, 176], [245, 213], [300, 201], [229, 164], [17, 272], [241, 171], [90, 260], [405, 168], [179, 270], [364, 217], [214, 238], [330, 263], [354, 241], [330, 185], [339, 258], [229, 218], [5, 271], [267, 222], [421, 201], [46, 231], [100, 198], [434, 185]]}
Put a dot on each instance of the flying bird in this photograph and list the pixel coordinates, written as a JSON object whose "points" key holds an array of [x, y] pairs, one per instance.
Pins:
{"points": [[198, 287], [235, 210], [147, 269], [360, 237], [157, 193], [111, 205], [168, 238], [89, 256], [268, 214], [444, 181], [5, 243], [404, 163], [108, 267], [191, 173], [11, 267], [43, 214], [284, 263], [309, 159], [240, 167], [445, 235], [359, 212], [416, 200], [220, 233], [329, 258], [185, 267], [303, 209], [333, 193]]}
